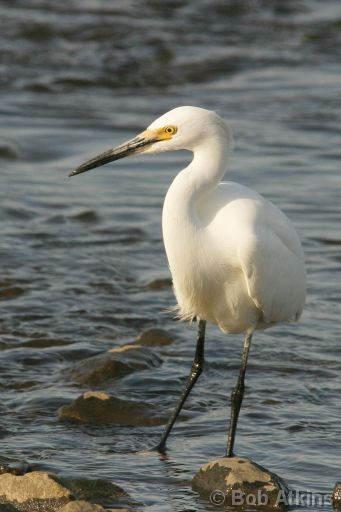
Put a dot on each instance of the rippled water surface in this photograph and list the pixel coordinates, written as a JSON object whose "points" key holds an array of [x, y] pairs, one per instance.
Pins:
{"points": [[77, 255]]}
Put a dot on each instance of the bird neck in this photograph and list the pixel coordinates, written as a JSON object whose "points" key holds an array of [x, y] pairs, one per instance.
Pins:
{"points": [[197, 180], [208, 166], [180, 220], [200, 177]]}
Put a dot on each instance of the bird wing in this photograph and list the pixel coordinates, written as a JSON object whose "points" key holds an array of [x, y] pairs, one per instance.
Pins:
{"points": [[255, 236], [272, 261]]}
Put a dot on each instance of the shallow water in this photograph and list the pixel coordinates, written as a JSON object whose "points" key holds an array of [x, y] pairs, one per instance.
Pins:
{"points": [[76, 256]]}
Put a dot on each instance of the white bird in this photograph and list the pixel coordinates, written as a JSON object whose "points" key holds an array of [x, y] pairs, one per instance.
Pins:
{"points": [[235, 258]]}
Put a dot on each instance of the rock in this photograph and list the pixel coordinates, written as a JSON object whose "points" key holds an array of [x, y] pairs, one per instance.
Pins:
{"points": [[9, 150], [336, 498], [97, 407], [81, 506], [36, 491], [87, 216], [94, 489], [7, 507], [3, 433], [159, 284], [113, 364], [15, 467], [85, 506], [155, 337], [239, 482], [39, 491]]}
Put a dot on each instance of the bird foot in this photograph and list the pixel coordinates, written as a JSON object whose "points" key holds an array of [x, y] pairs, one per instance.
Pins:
{"points": [[161, 448]]}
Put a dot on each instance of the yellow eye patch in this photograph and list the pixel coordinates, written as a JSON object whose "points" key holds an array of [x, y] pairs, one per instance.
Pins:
{"points": [[164, 133]]}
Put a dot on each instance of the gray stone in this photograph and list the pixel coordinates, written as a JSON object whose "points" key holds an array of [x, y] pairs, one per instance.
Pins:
{"points": [[155, 337], [36, 491], [337, 496], [99, 408], [114, 364], [235, 481]]}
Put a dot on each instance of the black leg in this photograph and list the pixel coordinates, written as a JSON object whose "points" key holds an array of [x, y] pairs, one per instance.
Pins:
{"points": [[237, 396], [196, 370]]}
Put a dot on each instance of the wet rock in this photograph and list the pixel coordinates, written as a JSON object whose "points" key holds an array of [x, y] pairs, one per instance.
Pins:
{"points": [[39, 491], [94, 489], [88, 217], [85, 506], [10, 292], [15, 467], [44, 343], [239, 482], [81, 506], [3, 433], [7, 507], [36, 491], [336, 498], [155, 338], [97, 407], [113, 364], [9, 150], [86, 490], [159, 284]]}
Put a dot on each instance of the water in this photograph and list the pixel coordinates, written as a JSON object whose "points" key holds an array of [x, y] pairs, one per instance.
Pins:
{"points": [[77, 254]]}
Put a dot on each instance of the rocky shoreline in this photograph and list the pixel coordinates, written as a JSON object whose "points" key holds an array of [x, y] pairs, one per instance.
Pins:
{"points": [[30, 489], [40, 491], [27, 489]]}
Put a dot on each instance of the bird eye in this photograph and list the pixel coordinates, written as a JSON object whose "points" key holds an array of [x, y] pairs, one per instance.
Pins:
{"points": [[170, 130]]}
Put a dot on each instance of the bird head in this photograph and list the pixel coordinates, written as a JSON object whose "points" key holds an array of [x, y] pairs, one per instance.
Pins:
{"points": [[180, 128]]}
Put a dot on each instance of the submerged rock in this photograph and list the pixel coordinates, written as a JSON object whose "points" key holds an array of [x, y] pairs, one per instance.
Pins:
{"points": [[85, 489], [3, 433], [155, 337], [159, 284], [36, 491], [7, 507], [239, 482], [97, 407], [9, 150], [113, 364], [15, 467], [337, 496]]}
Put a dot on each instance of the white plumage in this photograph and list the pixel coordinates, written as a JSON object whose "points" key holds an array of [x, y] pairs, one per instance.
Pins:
{"points": [[235, 258]]}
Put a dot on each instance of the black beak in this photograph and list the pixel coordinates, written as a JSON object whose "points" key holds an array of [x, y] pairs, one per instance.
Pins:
{"points": [[131, 147]]}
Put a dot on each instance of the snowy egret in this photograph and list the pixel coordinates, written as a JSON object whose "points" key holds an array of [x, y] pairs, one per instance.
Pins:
{"points": [[235, 258]]}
